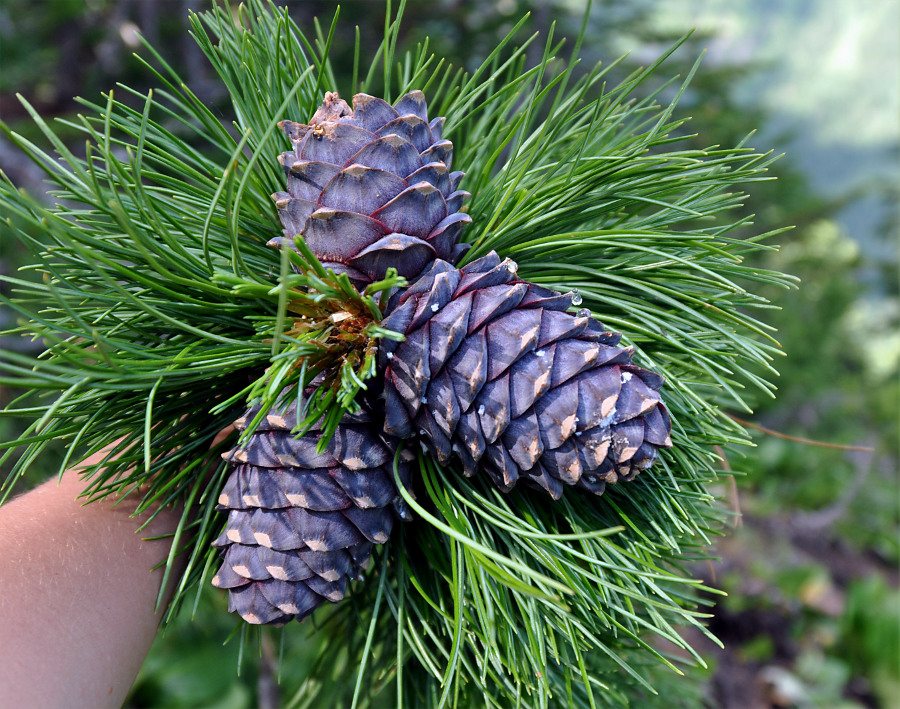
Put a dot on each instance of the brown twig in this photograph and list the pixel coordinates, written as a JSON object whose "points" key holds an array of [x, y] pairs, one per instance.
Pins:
{"points": [[797, 439], [732, 489], [268, 693]]}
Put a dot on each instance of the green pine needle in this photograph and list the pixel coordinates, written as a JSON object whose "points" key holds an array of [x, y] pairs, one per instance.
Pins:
{"points": [[311, 337], [164, 314]]}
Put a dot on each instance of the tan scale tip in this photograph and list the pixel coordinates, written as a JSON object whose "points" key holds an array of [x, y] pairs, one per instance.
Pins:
{"points": [[356, 170], [568, 426], [424, 187], [598, 452], [276, 421], [575, 469], [323, 213], [394, 140], [608, 405], [528, 336], [648, 404], [277, 572], [541, 382], [627, 454]]}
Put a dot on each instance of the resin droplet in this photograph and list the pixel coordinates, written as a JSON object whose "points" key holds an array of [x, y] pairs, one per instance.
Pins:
{"points": [[576, 298]]}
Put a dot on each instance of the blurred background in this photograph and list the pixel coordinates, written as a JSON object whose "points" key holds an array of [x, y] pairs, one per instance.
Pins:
{"points": [[812, 615]]}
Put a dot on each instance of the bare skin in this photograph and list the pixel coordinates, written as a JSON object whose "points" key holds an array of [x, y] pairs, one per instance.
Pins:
{"points": [[77, 597]]}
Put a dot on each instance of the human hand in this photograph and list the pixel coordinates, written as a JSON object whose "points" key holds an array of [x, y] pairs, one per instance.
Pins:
{"points": [[78, 594]]}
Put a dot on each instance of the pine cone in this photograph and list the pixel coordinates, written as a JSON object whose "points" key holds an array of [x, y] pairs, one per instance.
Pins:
{"points": [[370, 187], [302, 524], [495, 371]]}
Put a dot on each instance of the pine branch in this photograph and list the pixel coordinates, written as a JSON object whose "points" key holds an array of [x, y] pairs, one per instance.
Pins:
{"points": [[163, 314]]}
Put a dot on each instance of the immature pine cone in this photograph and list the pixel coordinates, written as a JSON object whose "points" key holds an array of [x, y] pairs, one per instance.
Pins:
{"points": [[495, 372], [302, 524]]}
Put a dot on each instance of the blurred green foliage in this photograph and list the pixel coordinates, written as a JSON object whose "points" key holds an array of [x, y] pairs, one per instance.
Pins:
{"points": [[833, 390], [868, 641]]}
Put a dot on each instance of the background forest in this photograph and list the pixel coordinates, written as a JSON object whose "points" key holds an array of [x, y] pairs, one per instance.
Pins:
{"points": [[812, 612]]}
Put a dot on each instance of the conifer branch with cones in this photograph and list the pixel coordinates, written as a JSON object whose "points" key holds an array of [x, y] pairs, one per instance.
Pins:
{"points": [[422, 409], [493, 372]]}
